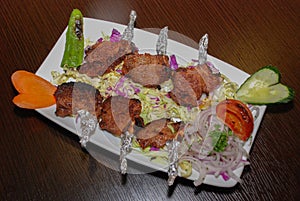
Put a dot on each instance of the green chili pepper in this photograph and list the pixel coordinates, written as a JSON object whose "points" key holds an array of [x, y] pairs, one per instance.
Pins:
{"points": [[74, 46]]}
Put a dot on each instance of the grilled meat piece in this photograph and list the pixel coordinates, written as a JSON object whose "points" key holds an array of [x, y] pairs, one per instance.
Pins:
{"points": [[190, 83], [105, 56], [118, 113], [188, 86], [90, 48], [158, 132], [146, 69], [74, 96], [212, 81]]}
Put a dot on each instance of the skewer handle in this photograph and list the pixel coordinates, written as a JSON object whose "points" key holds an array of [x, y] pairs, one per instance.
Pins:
{"points": [[126, 147], [88, 125], [129, 30], [162, 41], [172, 146], [203, 45]]}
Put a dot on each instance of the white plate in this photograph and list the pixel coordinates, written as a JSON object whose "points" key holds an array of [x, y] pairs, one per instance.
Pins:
{"points": [[92, 30]]}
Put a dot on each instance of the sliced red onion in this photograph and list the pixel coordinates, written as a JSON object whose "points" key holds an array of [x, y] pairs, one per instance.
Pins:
{"points": [[225, 176], [154, 149], [215, 163], [120, 93], [115, 36], [136, 90], [212, 68], [119, 71], [109, 88], [173, 62]]}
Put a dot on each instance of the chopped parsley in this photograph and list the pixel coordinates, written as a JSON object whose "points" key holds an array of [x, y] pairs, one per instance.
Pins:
{"points": [[219, 138]]}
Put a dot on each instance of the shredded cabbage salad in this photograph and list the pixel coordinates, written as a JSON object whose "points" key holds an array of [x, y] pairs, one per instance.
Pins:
{"points": [[219, 153]]}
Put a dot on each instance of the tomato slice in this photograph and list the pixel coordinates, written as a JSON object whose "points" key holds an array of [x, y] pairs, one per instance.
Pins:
{"points": [[237, 116]]}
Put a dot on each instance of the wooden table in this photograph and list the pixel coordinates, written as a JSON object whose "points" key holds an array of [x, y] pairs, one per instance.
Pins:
{"points": [[42, 161]]}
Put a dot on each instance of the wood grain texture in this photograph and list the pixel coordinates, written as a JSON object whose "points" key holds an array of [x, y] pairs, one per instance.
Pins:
{"points": [[41, 161]]}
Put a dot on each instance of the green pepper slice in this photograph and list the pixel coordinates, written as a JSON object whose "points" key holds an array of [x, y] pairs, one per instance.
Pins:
{"points": [[74, 46]]}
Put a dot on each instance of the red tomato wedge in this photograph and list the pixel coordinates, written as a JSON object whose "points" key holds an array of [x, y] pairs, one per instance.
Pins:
{"points": [[237, 116]]}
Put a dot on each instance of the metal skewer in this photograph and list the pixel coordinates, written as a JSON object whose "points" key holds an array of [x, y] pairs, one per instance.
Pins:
{"points": [[88, 125], [162, 41], [203, 45], [172, 146], [127, 137], [126, 147], [129, 30]]}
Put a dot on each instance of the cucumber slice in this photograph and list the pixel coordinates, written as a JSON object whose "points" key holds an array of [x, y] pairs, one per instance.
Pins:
{"points": [[264, 87]]}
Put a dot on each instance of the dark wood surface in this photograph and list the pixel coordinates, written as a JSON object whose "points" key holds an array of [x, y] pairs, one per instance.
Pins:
{"points": [[42, 161]]}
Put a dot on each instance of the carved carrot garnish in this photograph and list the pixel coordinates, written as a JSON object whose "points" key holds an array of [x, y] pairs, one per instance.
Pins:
{"points": [[35, 92]]}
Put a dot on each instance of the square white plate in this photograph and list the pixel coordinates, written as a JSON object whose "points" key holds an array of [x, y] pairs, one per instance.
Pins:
{"points": [[145, 41]]}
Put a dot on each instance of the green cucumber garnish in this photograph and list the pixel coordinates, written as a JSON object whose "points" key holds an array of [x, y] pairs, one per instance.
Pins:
{"points": [[264, 87]]}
